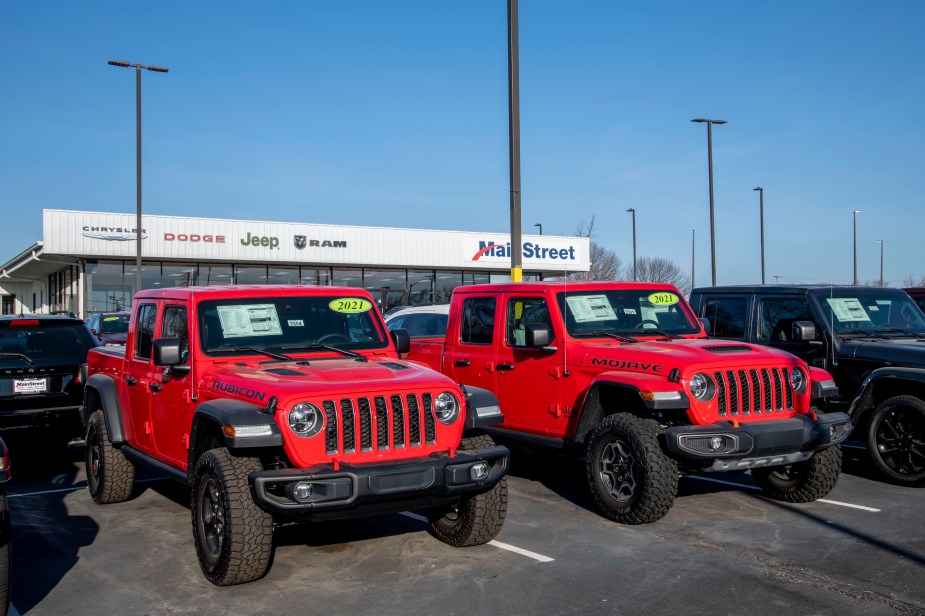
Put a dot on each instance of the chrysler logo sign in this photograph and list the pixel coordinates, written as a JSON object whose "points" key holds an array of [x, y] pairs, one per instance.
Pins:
{"points": [[113, 234]]}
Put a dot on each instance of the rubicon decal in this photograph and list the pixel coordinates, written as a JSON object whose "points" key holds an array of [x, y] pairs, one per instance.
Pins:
{"points": [[530, 250], [627, 365], [236, 390]]}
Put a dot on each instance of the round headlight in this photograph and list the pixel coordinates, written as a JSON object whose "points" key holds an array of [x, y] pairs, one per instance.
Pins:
{"points": [[702, 387], [798, 380], [446, 408], [305, 419]]}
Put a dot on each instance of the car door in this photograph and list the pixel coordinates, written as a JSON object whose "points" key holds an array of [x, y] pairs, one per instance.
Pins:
{"points": [[470, 359], [171, 406], [139, 371]]}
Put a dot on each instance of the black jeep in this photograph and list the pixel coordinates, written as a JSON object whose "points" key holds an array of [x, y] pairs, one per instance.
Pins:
{"points": [[872, 341]]}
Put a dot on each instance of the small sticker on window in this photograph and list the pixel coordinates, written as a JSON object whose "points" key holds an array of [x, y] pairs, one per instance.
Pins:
{"points": [[874, 308], [350, 305], [663, 298], [587, 308], [296, 323], [629, 311]]}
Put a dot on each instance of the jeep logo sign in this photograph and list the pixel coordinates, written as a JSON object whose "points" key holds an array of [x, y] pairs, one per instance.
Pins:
{"points": [[270, 242]]}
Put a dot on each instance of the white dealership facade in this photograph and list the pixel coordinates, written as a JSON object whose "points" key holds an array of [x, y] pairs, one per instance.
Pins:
{"points": [[85, 261]]}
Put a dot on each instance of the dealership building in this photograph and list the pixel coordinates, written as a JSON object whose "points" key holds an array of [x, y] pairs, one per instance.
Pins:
{"points": [[86, 261]]}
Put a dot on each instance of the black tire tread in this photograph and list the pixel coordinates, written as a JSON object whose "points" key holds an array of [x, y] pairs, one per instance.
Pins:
{"points": [[660, 483], [814, 478], [117, 479], [249, 536]]}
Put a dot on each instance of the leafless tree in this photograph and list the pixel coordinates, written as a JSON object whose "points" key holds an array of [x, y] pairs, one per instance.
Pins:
{"points": [[912, 281], [657, 269], [605, 264]]}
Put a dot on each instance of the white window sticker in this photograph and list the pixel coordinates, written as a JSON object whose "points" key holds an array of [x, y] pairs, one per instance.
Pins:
{"points": [[629, 311], [847, 309], [251, 320], [296, 323], [588, 308], [874, 308]]}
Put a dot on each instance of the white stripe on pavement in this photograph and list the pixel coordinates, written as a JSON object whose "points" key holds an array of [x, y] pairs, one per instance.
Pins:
{"points": [[498, 544], [73, 488], [748, 487]]}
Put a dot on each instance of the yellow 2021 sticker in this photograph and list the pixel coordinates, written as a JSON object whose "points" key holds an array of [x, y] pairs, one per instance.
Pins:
{"points": [[663, 299], [350, 305]]}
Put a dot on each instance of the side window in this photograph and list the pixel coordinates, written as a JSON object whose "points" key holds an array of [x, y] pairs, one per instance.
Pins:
{"points": [[426, 325], [520, 313], [727, 316], [778, 315], [478, 320], [93, 323], [175, 325], [144, 331]]}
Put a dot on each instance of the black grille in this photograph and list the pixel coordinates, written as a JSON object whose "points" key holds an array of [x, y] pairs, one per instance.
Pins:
{"points": [[414, 420], [330, 430], [350, 438], [366, 429], [382, 424], [739, 392], [398, 422], [430, 428]]}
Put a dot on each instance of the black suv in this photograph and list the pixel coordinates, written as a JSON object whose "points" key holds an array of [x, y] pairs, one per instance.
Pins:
{"points": [[42, 369], [872, 341]]}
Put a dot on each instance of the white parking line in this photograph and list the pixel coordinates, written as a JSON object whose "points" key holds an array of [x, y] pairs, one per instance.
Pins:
{"points": [[498, 544], [72, 488], [748, 487]]}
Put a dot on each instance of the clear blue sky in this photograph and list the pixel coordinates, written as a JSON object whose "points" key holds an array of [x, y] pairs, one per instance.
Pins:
{"points": [[394, 113]]}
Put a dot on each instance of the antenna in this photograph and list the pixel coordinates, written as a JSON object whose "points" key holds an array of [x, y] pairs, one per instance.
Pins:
{"points": [[565, 324]]}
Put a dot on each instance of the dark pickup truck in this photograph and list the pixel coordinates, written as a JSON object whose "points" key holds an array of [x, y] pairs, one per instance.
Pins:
{"points": [[872, 341]]}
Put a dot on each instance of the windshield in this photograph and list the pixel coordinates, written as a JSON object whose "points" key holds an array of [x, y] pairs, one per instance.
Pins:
{"points": [[44, 343], [603, 313], [289, 325], [114, 324], [886, 312]]}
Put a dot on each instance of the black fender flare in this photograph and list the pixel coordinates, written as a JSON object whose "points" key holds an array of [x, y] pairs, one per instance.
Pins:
{"points": [[592, 410], [900, 381], [482, 408], [106, 390], [236, 413]]}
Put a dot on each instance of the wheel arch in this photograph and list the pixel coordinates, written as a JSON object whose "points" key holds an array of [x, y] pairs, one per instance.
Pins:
{"points": [[209, 425], [885, 383], [101, 392], [606, 398]]}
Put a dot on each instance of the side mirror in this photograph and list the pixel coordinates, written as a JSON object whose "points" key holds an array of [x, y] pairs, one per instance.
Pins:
{"points": [[402, 340], [804, 331], [537, 335], [707, 326], [166, 352]]}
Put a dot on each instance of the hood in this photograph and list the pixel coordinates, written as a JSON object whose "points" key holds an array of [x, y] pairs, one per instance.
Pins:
{"points": [[257, 381], [688, 355], [909, 352]]}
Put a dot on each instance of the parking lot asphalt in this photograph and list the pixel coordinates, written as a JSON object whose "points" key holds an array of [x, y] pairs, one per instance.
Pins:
{"points": [[722, 549]]}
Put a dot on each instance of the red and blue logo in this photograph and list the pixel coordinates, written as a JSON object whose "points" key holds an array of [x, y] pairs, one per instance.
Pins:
{"points": [[530, 251]]}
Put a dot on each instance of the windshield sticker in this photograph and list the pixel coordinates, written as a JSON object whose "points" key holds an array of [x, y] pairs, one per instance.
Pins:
{"points": [[249, 320], [107, 319], [663, 298], [629, 311], [847, 309], [587, 308], [296, 323], [350, 305], [874, 308]]}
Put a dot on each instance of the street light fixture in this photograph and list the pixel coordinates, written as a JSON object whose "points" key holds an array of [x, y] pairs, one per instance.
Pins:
{"points": [[856, 212], [633, 212], [710, 124], [138, 68], [540, 225], [761, 200], [881, 263]]}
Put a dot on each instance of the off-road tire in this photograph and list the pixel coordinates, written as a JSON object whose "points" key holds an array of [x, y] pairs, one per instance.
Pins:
{"points": [[802, 482], [477, 518], [896, 439], [110, 475], [233, 536], [6, 553], [631, 479]]}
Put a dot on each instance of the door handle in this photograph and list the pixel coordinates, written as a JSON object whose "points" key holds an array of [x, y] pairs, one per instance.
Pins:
{"points": [[462, 363], [130, 380], [503, 367], [155, 387]]}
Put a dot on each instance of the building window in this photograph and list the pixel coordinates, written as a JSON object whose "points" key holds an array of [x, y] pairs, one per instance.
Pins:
{"points": [[344, 277], [283, 275], [386, 286], [179, 275], [444, 284], [250, 274], [211, 275], [9, 304], [108, 289], [420, 288], [312, 276]]}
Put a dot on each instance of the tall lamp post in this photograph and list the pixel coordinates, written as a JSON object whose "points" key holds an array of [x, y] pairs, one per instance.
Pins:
{"points": [[881, 263], [856, 212], [156, 69], [632, 211], [540, 225], [513, 82], [761, 210], [710, 124], [693, 238]]}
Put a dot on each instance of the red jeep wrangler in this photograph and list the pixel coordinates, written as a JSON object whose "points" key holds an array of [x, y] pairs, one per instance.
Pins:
{"points": [[286, 403], [625, 370]]}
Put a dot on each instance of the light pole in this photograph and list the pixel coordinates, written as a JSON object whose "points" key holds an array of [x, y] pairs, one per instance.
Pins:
{"points": [[513, 82], [693, 236], [156, 69], [881, 263], [540, 225], [632, 211], [710, 124], [761, 210], [856, 212]]}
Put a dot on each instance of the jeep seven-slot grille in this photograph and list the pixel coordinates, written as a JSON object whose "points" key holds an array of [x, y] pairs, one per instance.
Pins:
{"points": [[378, 423], [752, 392]]}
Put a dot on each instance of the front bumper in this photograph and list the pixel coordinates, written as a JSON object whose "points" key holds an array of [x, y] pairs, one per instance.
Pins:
{"points": [[723, 447], [373, 489]]}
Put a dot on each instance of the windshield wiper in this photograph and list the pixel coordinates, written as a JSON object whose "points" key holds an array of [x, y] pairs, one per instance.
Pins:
{"points": [[656, 332], [19, 355], [254, 350], [323, 347], [608, 334]]}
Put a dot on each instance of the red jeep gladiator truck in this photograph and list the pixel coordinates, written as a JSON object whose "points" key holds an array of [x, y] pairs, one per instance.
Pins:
{"points": [[280, 404], [625, 371]]}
